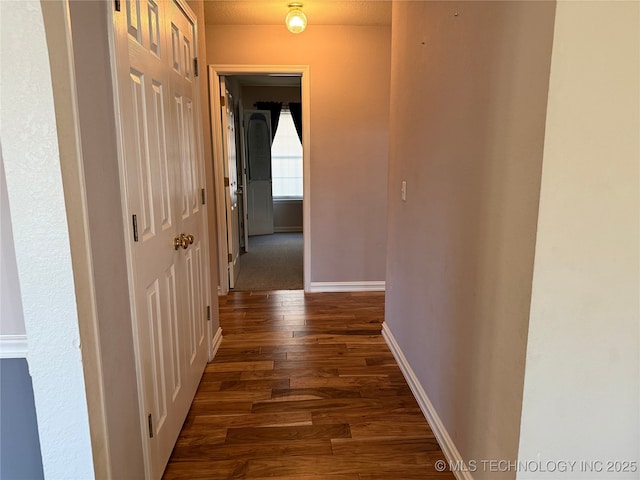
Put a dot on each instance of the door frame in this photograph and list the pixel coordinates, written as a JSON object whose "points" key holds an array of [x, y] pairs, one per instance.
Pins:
{"points": [[224, 117], [215, 72]]}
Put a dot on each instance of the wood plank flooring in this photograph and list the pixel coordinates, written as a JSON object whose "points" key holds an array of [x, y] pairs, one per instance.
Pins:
{"points": [[304, 387]]}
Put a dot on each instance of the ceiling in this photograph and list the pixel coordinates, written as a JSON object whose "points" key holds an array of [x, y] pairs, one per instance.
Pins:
{"points": [[319, 12]]}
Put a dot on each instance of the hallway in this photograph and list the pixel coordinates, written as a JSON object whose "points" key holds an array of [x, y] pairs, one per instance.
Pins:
{"points": [[304, 386]]}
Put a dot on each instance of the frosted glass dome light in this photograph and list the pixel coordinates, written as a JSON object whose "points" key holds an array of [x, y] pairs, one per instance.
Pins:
{"points": [[296, 20]]}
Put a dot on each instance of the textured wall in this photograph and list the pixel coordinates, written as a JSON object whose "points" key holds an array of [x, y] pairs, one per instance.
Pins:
{"points": [[11, 316], [582, 384], [34, 183], [468, 97], [349, 88]]}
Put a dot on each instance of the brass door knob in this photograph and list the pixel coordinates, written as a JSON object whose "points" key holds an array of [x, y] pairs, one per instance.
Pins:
{"points": [[181, 241], [190, 238]]}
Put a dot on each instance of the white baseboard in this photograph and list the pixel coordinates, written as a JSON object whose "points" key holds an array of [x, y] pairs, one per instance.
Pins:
{"points": [[317, 287], [446, 443], [13, 346], [287, 229], [215, 343]]}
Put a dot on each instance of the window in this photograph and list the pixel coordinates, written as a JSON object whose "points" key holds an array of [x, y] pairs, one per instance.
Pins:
{"points": [[286, 159]]}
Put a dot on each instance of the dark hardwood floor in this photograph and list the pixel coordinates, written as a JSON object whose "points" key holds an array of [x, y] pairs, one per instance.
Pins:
{"points": [[304, 387]]}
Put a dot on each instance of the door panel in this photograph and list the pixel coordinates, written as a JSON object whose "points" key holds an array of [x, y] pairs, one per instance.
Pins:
{"points": [[157, 332], [172, 326], [159, 152], [133, 20], [194, 282], [145, 219], [199, 285], [259, 191], [161, 168], [154, 27], [193, 221], [260, 216], [190, 157]]}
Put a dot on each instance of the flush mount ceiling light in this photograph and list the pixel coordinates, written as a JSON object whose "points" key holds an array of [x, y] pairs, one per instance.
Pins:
{"points": [[296, 20]]}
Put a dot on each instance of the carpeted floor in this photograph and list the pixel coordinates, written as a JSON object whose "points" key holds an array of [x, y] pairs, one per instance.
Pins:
{"points": [[273, 262]]}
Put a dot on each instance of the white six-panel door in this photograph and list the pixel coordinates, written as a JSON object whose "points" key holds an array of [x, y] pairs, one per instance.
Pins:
{"points": [[162, 178], [231, 186]]}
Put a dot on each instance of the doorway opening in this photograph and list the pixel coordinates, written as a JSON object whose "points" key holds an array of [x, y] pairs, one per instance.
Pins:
{"points": [[273, 259], [260, 123]]}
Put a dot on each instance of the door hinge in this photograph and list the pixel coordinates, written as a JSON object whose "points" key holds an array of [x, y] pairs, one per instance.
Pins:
{"points": [[195, 67], [202, 193], [135, 228], [150, 421], [208, 313], [223, 101], [117, 5], [230, 257], [226, 181]]}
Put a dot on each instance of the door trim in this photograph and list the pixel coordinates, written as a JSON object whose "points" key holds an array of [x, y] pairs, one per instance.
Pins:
{"points": [[215, 72]]}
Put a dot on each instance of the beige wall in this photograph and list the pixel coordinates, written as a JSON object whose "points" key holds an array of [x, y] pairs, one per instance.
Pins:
{"points": [[349, 88], [468, 98], [581, 391], [10, 300]]}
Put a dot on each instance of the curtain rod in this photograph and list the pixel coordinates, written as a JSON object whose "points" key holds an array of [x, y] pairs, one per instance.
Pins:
{"points": [[284, 104]]}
